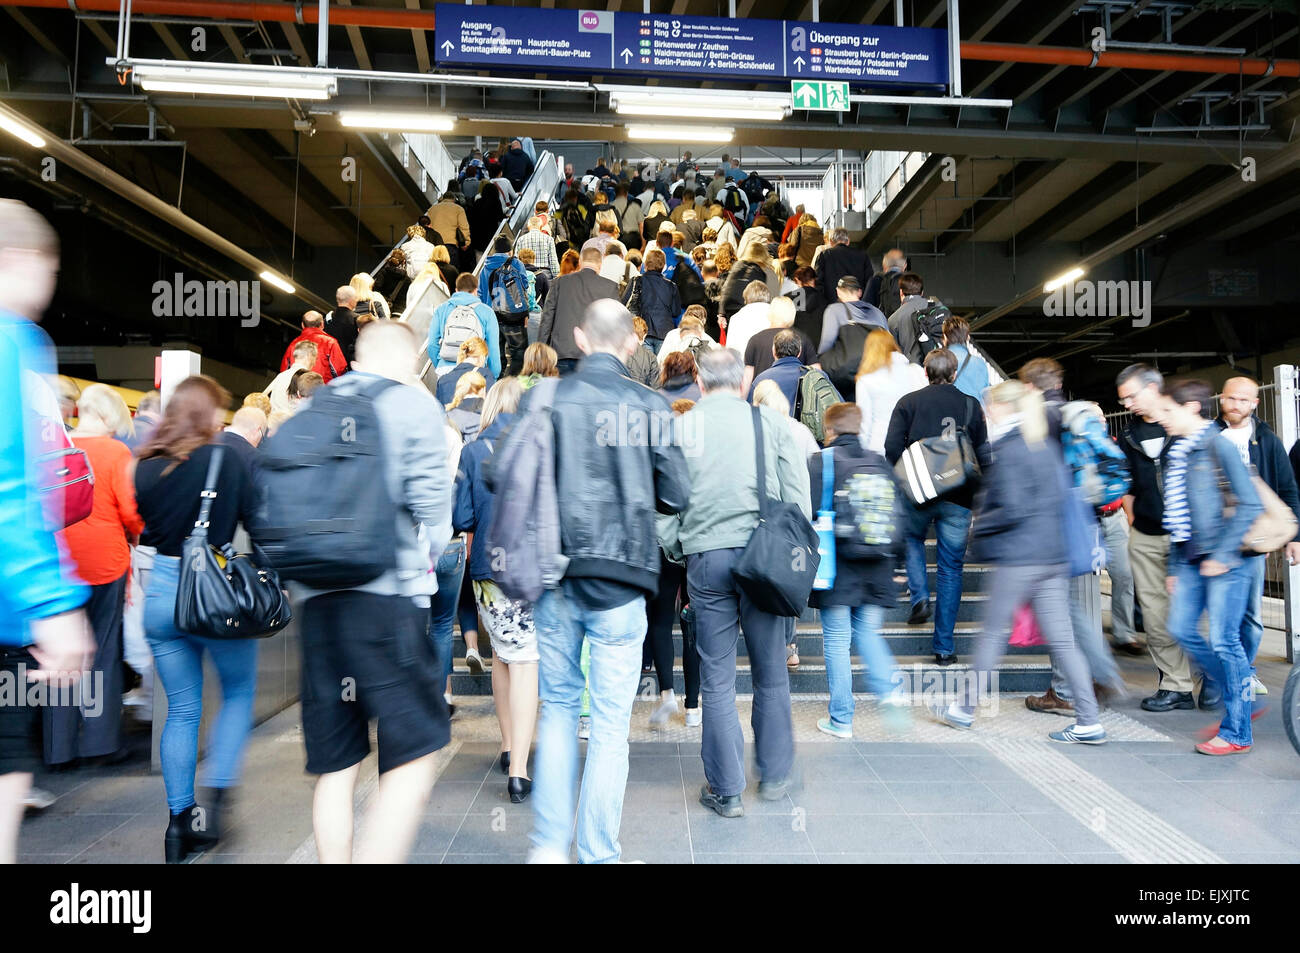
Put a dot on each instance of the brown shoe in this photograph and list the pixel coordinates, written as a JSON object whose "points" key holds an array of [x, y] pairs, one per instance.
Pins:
{"points": [[1131, 648], [1051, 703]]}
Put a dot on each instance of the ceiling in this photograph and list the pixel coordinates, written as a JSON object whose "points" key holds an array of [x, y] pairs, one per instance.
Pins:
{"points": [[1067, 164]]}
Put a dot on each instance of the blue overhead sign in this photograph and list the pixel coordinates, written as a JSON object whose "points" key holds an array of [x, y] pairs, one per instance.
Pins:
{"points": [[538, 40], [713, 46], [866, 55], [661, 44]]}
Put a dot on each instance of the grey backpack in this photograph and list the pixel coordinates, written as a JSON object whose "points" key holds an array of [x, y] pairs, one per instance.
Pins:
{"points": [[523, 539]]}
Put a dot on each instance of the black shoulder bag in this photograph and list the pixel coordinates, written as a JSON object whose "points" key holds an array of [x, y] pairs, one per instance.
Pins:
{"points": [[222, 595], [778, 565]]}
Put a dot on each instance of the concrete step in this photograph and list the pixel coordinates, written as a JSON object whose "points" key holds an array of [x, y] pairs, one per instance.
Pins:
{"points": [[901, 640], [916, 674]]}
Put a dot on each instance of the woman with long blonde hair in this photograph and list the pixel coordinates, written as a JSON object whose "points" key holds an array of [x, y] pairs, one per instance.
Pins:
{"points": [[467, 404], [509, 623], [368, 301], [1020, 528], [100, 552], [884, 375], [540, 360]]}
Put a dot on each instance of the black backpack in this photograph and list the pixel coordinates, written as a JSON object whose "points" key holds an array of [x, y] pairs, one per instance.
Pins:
{"points": [[929, 325], [756, 188], [888, 300], [576, 227], [338, 534], [731, 200]]}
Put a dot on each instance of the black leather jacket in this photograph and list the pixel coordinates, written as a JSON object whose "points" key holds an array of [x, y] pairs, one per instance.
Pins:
{"points": [[615, 468]]}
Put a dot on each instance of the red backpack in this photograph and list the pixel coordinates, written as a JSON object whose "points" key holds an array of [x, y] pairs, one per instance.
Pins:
{"points": [[66, 484]]}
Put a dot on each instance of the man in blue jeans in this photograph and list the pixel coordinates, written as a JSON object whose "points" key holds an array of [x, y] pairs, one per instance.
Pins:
{"points": [[1207, 573], [1261, 448], [939, 410], [616, 466]]}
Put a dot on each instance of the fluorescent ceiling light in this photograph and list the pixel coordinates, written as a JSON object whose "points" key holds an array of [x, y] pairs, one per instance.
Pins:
{"points": [[273, 279], [24, 132], [1065, 279], [396, 121], [234, 89], [276, 83], [772, 114], [681, 133], [674, 104]]}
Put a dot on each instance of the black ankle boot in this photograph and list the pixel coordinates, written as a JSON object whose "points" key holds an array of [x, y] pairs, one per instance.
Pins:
{"points": [[188, 831]]}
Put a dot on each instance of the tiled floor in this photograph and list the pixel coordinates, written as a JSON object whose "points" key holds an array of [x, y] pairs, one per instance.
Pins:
{"points": [[910, 793]]}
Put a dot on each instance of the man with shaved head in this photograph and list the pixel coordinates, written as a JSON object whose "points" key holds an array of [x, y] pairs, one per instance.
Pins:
{"points": [[616, 466], [330, 362], [341, 323], [882, 288], [1261, 448], [247, 429]]}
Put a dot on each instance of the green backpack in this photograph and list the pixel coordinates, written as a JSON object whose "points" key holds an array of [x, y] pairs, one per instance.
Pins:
{"points": [[811, 398]]}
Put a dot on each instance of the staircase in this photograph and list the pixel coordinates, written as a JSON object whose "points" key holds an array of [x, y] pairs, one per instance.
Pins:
{"points": [[1021, 670]]}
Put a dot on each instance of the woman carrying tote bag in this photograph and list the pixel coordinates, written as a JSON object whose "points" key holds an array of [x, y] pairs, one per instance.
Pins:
{"points": [[170, 476]]}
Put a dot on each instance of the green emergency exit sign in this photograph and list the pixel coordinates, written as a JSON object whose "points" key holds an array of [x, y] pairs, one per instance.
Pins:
{"points": [[817, 94]]}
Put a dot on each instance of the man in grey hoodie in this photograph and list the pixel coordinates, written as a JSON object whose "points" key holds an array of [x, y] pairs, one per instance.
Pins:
{"points": [[365, 653]]}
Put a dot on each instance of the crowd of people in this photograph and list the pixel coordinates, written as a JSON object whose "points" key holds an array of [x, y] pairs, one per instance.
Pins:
{"points": [[576, 458]]}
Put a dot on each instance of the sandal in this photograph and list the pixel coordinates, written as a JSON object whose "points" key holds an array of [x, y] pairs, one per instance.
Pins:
{"points": [[1217, 746], [1205, 734]]}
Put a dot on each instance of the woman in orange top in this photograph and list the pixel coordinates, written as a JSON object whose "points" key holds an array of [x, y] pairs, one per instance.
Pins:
{"points": [[100, 551]]}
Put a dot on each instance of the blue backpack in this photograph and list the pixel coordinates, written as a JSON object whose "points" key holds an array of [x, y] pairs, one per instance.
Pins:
{"points": [[1096, 461], [508, 287]]}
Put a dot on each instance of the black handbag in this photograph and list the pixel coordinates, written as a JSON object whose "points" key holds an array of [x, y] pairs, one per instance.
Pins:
{"points": [[634, 299], [778, 565], [222, 594], [934, 466]]}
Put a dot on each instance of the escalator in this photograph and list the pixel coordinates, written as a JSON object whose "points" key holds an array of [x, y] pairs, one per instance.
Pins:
{"points": [[418, 313]]}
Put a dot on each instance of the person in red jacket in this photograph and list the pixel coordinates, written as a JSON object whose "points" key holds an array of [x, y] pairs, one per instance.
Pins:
{"points": [[330, 362]]}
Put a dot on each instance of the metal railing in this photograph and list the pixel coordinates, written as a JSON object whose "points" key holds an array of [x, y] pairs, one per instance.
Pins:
{"points": [[418, 314], [1279, 407], [887, 173], [842, 188]]}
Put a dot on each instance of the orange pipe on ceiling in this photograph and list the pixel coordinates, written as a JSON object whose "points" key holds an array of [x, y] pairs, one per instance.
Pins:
{"points": [[424, 20]]}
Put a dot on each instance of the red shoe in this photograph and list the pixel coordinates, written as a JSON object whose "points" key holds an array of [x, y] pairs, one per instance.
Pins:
{"points": [[1217, 746], [1205, 734]]}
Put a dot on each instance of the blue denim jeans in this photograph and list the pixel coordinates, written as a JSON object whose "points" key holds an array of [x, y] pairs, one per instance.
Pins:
{"points": [[847, 629], [179, 660], [1224, 659], [443, 605], [1252, 623], [952, 530], [614, 637]]}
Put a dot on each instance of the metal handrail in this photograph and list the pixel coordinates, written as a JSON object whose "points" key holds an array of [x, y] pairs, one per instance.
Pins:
{"points": [[541, 184]]}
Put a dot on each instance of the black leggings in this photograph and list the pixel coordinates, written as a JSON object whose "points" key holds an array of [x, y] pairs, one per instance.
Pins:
{"points": [[661, 610]]}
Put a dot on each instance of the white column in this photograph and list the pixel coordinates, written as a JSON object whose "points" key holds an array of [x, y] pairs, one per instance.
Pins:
{"points": [[176, 366], [1287, 416]]}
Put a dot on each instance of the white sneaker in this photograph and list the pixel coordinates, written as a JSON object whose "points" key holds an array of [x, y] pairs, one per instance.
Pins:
{"points": [[660, 717], [38, 799], [474, 662], [694, 718], [1259, 687], [540, 855], [584, 727]]}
